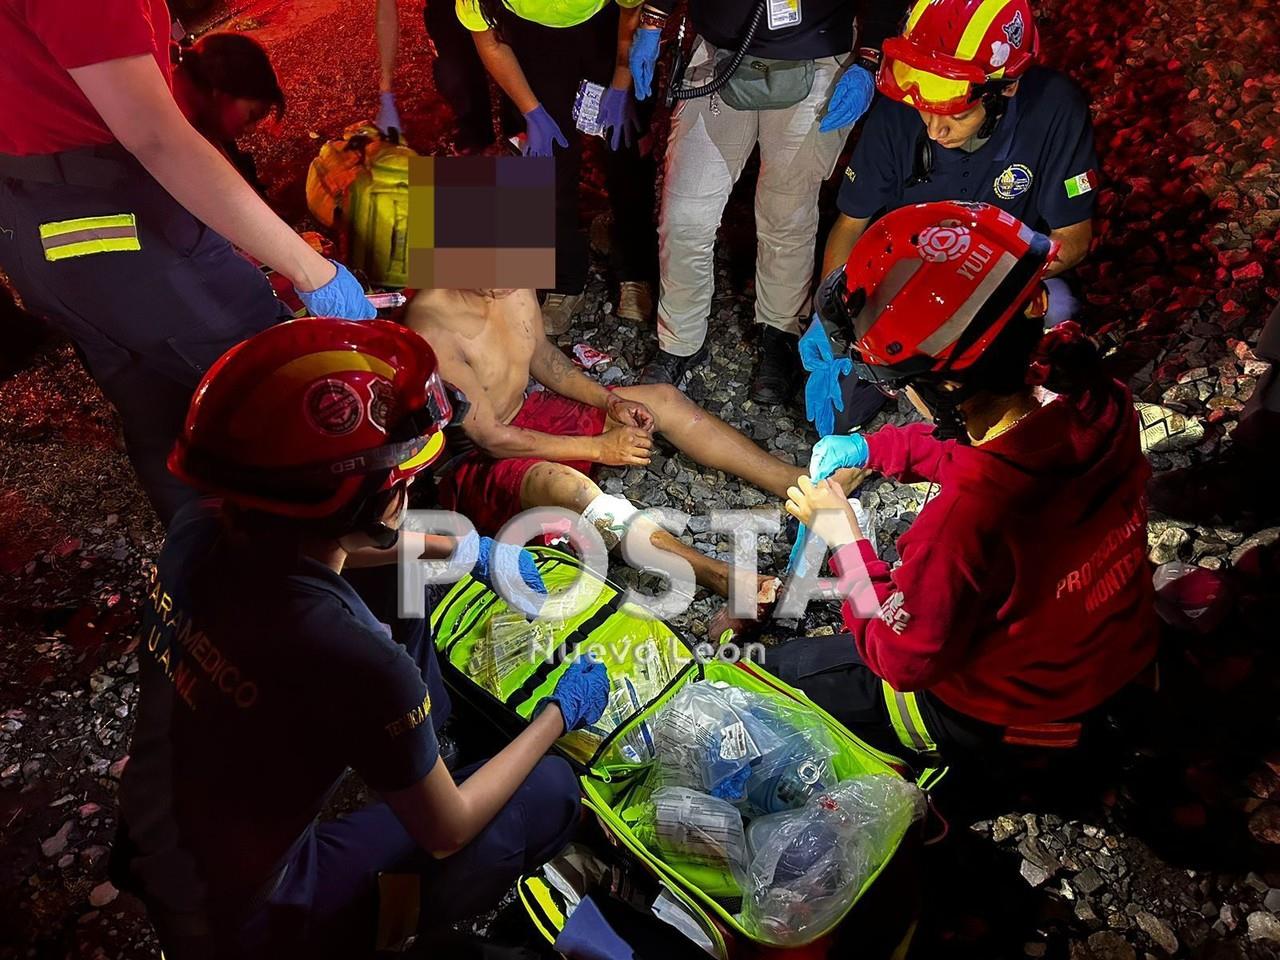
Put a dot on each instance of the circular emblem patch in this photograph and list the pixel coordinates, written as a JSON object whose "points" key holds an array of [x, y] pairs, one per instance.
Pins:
{"points": [[1014, 181], [380, 396], [333, 407], [942, 243]]}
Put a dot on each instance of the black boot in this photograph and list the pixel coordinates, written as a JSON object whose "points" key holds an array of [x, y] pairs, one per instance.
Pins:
{"points": [[778, 374], [668, 368]]}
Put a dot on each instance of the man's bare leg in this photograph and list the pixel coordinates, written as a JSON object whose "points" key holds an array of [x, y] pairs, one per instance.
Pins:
{"points": [[713, 443], [710, 441], [556, 485]]}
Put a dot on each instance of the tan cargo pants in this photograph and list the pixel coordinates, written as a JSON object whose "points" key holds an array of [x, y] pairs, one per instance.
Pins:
{"points": [[708, 147]]}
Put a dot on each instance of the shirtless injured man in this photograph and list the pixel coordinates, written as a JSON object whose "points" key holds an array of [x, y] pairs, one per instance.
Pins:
{"points": [[541, 448]]}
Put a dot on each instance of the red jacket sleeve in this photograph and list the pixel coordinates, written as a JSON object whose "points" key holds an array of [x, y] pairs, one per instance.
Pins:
{"points": [[909, 454], [911, 624], [79, 34]]}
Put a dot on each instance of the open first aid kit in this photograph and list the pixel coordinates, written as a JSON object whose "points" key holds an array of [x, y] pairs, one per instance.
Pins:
{"points": [[358, 186], [761, 821]]}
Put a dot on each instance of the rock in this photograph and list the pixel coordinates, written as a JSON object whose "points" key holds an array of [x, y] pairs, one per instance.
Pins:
{"points": [[1088, 881], [1261, 538], [1158, 930], [1167, 544], [91, 855], [1228, 917], [1106, 945], [1263, 926], [117, 768], [88, 810], [1004, 828], [1034, 875], [66, 860], [1034, 949], [102, 894], [1264, 824], [1272, 900], [54, 845]]}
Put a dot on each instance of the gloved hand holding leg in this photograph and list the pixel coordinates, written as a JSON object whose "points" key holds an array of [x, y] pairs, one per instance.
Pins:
{"points": [[835, 453]]}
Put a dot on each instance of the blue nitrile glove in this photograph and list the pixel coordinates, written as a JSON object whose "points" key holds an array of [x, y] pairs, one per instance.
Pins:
{"points": [[493, 558], [541, 132], [822, 394], [388, 118], [643, 58], [829, 455], [341, 297], [582, 693], [850, 99], [618, 116], [834, 453]]}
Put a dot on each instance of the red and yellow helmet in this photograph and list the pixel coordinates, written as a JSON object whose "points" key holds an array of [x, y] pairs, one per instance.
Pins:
{"points": [[311, 416], [929, 287], [952, 49]]}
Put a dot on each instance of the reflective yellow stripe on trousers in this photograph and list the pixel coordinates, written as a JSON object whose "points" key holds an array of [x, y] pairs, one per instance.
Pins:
{"points": [[904, 714], [63, 239]]}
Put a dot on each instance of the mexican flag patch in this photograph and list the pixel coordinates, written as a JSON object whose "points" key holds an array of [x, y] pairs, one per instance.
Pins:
{"points": [[1081, 184]]}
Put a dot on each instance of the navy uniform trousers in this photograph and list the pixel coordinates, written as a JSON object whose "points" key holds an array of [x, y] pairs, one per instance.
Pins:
{"points": [[150, 296]]}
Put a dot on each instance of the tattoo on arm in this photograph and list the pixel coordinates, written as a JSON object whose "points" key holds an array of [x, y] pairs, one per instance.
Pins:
{"points": [[556, 367]]}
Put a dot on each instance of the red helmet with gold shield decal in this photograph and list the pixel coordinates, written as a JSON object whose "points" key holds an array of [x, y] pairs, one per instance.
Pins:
{"points": [[952, 51], [310, 417]]}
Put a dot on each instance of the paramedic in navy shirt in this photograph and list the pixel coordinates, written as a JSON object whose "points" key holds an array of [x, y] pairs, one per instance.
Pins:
{"points": [[966, 115], [265, 675]]}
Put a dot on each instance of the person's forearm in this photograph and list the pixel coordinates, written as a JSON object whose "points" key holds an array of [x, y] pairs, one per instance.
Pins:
{"points": [[388, 31], [204, 182], [840, 242], [500, 60], [427, 546], [508, 442], [555, 371], [1073, 246], [628, 20], [487, 791]]}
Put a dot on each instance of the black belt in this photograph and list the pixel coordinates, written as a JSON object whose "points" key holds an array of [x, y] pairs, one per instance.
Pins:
{"points": [[102, 166]]}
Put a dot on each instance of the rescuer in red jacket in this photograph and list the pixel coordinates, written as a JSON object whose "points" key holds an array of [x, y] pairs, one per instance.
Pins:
{"points": [[1023, 599]]}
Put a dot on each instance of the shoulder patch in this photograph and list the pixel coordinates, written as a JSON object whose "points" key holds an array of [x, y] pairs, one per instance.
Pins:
{"points": [[1013, 181], [1081, 183]]}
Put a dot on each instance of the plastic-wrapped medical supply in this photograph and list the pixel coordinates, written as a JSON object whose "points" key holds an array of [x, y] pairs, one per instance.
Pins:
{"points": [[698, 835], [807, 865], [796, 766], [704, 742], [511, 646], [635, 683]]}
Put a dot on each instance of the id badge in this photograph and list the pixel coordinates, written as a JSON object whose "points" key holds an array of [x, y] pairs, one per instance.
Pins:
{"points": [[783, 13], [586, 108]]}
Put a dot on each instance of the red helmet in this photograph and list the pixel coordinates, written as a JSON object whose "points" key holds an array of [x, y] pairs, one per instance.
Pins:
{"points": [[312, 417], [952, 50], [929, 287]]}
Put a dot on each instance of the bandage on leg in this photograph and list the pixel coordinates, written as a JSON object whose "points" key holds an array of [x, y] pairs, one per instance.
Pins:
{"points": [[610, 515]]}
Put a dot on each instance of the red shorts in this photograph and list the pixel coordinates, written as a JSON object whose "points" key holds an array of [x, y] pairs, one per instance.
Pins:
{"points": [[487, 491]]}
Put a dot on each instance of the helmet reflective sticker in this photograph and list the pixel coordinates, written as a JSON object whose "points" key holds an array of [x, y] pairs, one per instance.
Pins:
{"points": [[946, 241], [973, 266]]}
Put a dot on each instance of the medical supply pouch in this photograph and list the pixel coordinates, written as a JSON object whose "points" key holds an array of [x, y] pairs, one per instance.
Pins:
{"points": [[616, 759], [761, 83]]}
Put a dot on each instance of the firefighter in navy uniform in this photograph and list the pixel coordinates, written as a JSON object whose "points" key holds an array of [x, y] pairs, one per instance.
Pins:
{"points": [[966, 114], [117, 218], [264, 675]]}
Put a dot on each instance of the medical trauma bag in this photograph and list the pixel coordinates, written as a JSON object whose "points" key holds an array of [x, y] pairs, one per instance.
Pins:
{"points": [[358, 186], [484, 650]]}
